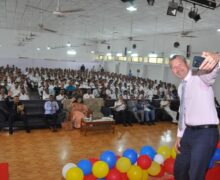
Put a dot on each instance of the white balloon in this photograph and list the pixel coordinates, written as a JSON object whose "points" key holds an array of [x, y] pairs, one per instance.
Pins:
{"points": [[159, 159], [66, 168]]}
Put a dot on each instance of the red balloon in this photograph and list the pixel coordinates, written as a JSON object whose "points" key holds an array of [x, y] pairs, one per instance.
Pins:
{"points": [[213, 173], [114, 174], [89, 177], [118, 157], [161, 173], [218, 145], [169, 165], [93, 160], [124, 176], [169, 178], [144, 161]]}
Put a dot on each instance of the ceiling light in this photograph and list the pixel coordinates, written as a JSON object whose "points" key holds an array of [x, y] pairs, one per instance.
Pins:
{"points": [[108, 54], [172, 8], [152, 55], [134, 55], [68, 44], [92, 52], [129, 52], [180, 7], [150, 2], [48, 47], [71, 52], [38, 49], [218, 30], [193, 14], [131, 8], [119, 54]]}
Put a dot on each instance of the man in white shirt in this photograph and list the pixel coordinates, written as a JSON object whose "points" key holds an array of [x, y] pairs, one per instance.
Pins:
{"points": [[88, 95], [51, 107], [23, 95]]}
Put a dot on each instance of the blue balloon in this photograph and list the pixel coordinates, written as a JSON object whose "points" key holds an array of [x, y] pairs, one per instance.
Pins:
{"points": [[109, 157], [86, 166], [148, 150], [211, 164], [130, 154], [216, 156]]}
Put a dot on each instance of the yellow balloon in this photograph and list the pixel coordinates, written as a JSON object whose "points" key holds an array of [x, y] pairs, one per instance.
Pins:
{"points": [[123, 164], [154, 169], [173, 153], [100, 169], [135, 173], [74, 173], [165, 151], [145, 175]]}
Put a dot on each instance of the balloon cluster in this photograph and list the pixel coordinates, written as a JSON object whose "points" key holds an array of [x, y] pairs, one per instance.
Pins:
{"points": [[130, 166], [216, 156]]}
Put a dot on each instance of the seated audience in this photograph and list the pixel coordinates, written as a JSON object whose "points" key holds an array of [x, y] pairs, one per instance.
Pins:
{"points": [[79, 111], [16, 111], [165, 104], [120, 113], [51, 108], [88, 95]]}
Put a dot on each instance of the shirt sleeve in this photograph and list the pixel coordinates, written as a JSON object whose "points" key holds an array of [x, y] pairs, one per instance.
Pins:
{"points": [[209, 79], [57, 106], [181, 132]]}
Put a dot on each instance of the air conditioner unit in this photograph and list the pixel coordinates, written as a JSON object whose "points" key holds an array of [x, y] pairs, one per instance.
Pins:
{"points": [[211, 4]]}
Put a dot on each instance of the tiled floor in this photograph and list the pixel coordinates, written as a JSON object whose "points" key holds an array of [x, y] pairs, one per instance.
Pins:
{"points": [[41, 154]]}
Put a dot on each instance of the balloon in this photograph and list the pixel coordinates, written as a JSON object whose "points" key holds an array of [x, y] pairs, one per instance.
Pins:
{"points": [[100, 169], [218, 145], [213, 173], [154, 169], [93, 160], [164, 151], [135, 173], [89, 177], [74, 173], [66, 168], [169, 165], [144, 161], [124, 176], [148, 150], [216, 156], [162, 172], [114, 174], [145, 175], [173, 153], [159, 159], [130, 154], [108, 157], [85, 165], [123, 164], [211, 164]]}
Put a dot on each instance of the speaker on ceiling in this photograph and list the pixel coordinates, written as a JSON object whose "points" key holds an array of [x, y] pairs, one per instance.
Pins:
{"points": [[176, 44], [108, 47], [188, 51], [134, 46]]}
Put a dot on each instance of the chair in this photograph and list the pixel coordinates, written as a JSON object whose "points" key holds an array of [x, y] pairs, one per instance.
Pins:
{"points": [[95, 105]]}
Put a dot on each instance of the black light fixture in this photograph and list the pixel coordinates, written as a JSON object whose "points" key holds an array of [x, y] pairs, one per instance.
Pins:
{"points": [[134, 46], [172, 8], [150, 2], [180, 7], [193, 14], [108, 47]]}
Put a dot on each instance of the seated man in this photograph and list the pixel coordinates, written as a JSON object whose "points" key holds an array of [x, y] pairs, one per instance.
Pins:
{"points": [[149, 113], [16, 111], [132, 107], [51, 108]]}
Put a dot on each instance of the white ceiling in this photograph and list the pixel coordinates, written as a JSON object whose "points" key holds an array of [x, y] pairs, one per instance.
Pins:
{"points": [[102, 19]]}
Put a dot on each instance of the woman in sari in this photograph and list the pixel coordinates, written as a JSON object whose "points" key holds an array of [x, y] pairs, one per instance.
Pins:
{"points": [[79, 111]]}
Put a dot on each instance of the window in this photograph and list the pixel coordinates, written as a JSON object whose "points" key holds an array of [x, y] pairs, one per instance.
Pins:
{"points": [[159, 60], [152, 60]]}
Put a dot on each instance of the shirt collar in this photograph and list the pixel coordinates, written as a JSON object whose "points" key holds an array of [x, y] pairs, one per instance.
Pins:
{"points": [[188, 76]]}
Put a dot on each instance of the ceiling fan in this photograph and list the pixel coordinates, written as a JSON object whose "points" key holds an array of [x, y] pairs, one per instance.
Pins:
{"points": [[41, 26], [58, 12], [131, 38]]}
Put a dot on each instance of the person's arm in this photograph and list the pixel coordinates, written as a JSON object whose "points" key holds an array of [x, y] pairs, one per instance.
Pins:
{"points": [[211, 65], [57, 106]]}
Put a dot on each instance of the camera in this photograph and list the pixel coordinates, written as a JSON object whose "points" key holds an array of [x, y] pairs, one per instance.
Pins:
{"points": [[197, 61]]}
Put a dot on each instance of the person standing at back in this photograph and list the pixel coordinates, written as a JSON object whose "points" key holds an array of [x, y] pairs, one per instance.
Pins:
{"points": [[197, 134]]}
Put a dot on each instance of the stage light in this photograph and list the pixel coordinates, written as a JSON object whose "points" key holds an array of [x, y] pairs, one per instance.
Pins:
{"points": [[180, 7], [172, 8], [150, 2], [193, 14]]}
